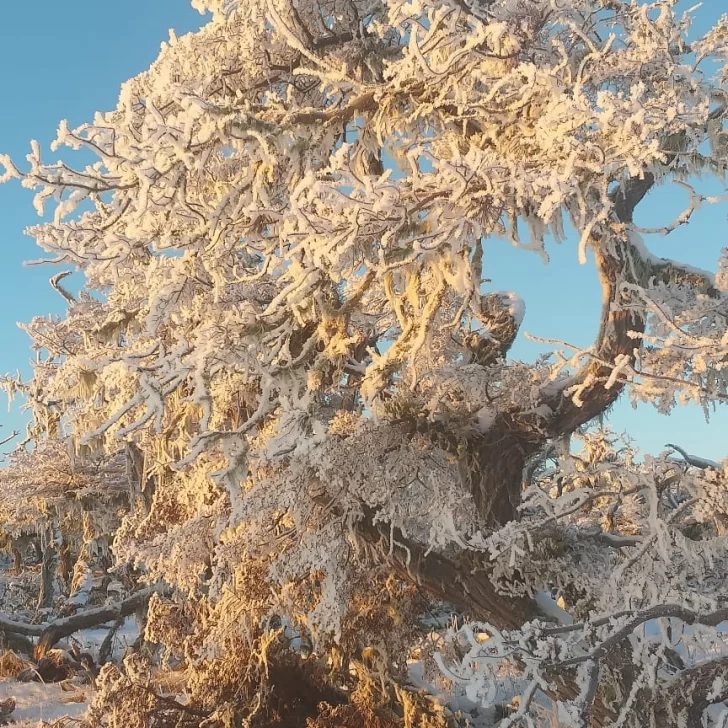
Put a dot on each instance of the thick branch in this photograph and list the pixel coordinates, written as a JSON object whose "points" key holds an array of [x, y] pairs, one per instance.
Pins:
{"points": [[50, 633], [501, 329], [463, 582], [613, 339], [616, 338], [618, 262], [55, 631], [683, 700], [625, 199]]}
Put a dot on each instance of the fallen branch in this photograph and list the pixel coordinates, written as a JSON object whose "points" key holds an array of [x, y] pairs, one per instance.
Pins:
{"points": [[61, 628], [49, 633], [107, 645]]}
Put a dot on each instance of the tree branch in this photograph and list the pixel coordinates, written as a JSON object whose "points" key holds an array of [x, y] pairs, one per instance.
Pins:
{"points": [[55, 282], [463, 582], [683, 700], [618, 261], [49, 633], [694, 460]]}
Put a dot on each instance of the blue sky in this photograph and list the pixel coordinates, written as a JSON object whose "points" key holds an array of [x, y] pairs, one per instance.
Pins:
{"points": [[67, 60]]}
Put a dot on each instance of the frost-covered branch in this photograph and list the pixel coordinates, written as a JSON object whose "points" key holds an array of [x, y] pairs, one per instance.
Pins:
{"points": [[287, 322]]}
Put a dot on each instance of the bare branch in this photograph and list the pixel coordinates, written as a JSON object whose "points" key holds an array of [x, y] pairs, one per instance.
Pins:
{"points": [[55, 282], [50, 632], [694, 460]]}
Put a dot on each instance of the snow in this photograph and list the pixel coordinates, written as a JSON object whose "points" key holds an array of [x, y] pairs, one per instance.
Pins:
{"points": [[550, 608], [43, 702], [90, 640], [516, 305], [486, 418], [256, 364], [37, 701]]}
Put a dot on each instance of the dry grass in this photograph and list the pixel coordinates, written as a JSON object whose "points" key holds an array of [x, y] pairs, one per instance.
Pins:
{"points": [[11, 665]]}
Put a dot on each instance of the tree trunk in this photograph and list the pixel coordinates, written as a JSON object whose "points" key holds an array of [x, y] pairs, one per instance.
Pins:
{"points": [[17, 560], [37, 551], [50, 565], [48, 575], [66, 562], [81, 582], [491, 468]]}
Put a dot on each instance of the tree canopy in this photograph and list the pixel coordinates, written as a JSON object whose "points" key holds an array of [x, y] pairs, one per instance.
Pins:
{"points": [[289, 350]]}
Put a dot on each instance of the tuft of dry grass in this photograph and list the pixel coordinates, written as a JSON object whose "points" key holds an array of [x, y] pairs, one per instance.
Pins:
{"points": [[11, 665]]}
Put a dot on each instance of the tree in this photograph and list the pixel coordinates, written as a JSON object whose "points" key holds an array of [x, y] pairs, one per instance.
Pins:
{"points": [[286, 316], [69, 509]]}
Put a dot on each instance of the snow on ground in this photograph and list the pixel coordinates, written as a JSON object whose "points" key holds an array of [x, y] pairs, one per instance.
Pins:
{"points": [[43, 702], [89, 640], [36, 702]]}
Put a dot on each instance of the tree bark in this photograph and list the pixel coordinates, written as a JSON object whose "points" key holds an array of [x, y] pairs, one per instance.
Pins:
{"points": [[681, 701], [17, 560], [66, 562], [463, 582], [48, 571]]}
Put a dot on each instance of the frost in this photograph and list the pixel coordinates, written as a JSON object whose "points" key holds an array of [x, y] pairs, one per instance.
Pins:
{"points": [[485, 418], [516, 306], [286, 393], [550, 608]]}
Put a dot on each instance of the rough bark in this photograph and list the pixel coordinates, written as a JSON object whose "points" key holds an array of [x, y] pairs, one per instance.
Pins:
{"points": [[17, 560], [48, 571], [491, 470], [463, 582]]}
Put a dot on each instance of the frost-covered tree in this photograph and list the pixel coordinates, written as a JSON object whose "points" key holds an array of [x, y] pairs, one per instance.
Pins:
{"points": [[287, 319], [68, 509]]}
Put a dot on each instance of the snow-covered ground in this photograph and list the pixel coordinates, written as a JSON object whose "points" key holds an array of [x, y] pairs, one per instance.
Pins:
{"points": [[35, 702], [48, 702], [89, 640]]}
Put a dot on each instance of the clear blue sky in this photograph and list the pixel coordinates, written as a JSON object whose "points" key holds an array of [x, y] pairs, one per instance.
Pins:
{"points": [[67, 60]]}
